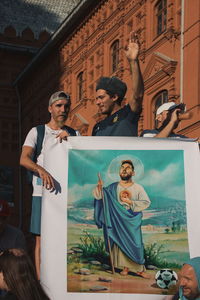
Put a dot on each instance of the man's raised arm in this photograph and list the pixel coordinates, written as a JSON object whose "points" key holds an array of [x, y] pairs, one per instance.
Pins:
{"points": [[132, 52]]}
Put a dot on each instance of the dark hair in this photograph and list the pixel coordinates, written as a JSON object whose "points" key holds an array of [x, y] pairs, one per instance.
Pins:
{"points": [[113, 87], [127, 162], [20, 276], [119, 99]]}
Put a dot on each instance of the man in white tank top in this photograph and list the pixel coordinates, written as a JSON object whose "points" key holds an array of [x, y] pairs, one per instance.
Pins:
{"points": [[55, 129]]}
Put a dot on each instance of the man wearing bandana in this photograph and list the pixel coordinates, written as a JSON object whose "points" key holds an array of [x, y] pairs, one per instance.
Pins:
{"points": [[118, 210], [189, 281], [110, 92]]}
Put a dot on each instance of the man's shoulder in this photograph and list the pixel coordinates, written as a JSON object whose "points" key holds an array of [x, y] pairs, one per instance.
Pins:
{"points": [[98, 126], [39, 126], [138, 186], [71, 130], [149, 132], [112, 185], [116, 120], [124, 110], [36, 128], [178, 136]]}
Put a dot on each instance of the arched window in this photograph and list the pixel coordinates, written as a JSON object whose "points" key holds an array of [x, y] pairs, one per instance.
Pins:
{"points": [[10, 31], [28, 34], [161, 16], [159, 99], [44, 35], [114, 51], [80, 86]]}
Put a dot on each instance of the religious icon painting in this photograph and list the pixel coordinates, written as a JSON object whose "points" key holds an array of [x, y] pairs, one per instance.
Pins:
{"points": [[126, 220]]}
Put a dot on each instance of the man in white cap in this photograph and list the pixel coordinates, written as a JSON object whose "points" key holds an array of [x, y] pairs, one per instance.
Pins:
{"points": [[32, 157], [168, 116]]}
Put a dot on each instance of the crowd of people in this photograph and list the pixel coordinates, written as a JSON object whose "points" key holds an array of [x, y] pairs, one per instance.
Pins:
{"points": [[17, 274]]}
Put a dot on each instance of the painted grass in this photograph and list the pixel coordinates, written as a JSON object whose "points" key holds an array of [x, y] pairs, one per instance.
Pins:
{"points": [[174, 246], [74, 233]]}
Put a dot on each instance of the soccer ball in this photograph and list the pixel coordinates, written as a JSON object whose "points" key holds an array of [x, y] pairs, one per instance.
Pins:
{"points": [[166, 278]]}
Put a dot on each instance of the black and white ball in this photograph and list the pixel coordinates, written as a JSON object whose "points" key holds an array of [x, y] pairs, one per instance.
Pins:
{"points": [[166, 278]]}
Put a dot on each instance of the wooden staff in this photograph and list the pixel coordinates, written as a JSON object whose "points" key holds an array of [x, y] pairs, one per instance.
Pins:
{"points": [[104, 210]]}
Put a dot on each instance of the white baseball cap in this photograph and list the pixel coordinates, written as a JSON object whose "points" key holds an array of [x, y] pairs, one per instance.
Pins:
{"points": [[60, 95], [166, 106]]}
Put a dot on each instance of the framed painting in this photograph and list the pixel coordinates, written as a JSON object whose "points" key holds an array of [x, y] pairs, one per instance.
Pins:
{"points": [[126, 211]]}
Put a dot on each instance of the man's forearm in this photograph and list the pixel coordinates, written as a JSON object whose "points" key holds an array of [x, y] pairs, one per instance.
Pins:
{"points": [[29, 164], [166, 131], [137, 86], [47, 179]]}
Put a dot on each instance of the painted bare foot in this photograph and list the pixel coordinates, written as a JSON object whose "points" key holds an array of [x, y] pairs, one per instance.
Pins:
{"points": [[124, 272], [143, 275]]}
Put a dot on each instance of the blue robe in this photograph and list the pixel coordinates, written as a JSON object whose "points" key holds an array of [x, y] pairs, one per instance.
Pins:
{"points": [[123, 226]]}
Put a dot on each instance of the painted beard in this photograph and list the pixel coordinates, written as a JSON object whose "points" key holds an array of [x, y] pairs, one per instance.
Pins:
{"points": [[125, 177]]}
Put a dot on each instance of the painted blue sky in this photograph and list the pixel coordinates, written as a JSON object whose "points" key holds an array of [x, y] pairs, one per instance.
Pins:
{"points": [[160, 172]]}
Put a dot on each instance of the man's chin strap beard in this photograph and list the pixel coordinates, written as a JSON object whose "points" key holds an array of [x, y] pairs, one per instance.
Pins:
{"points": [[60, 123]]}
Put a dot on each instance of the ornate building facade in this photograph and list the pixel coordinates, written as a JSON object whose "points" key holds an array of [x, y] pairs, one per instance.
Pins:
{"points": [[90, 43]]}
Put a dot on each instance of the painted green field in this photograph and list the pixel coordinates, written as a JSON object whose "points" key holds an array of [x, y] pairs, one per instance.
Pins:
{"points": [[174, 245]]}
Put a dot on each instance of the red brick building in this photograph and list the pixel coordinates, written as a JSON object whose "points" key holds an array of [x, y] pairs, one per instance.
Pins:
{"points": [[24, 27], [90, 43]]}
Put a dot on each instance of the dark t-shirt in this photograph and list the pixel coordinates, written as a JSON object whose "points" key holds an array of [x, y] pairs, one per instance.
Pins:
{"points": [[123, 122], [153, 132], [12, 237]]}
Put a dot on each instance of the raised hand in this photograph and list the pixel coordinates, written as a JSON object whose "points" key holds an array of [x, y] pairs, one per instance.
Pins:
{"points": [[99, 183], [132, 50], [175, 115]]}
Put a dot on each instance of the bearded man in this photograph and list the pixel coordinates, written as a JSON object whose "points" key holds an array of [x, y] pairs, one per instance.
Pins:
{"points": [[33, 154], [121, 205]]}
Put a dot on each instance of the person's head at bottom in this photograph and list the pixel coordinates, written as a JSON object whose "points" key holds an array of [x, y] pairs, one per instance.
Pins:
{"points": [[18, 276], [190, 280]]}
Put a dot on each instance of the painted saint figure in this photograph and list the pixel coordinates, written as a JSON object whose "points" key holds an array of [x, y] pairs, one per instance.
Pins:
{"points": [[122, 209]]}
